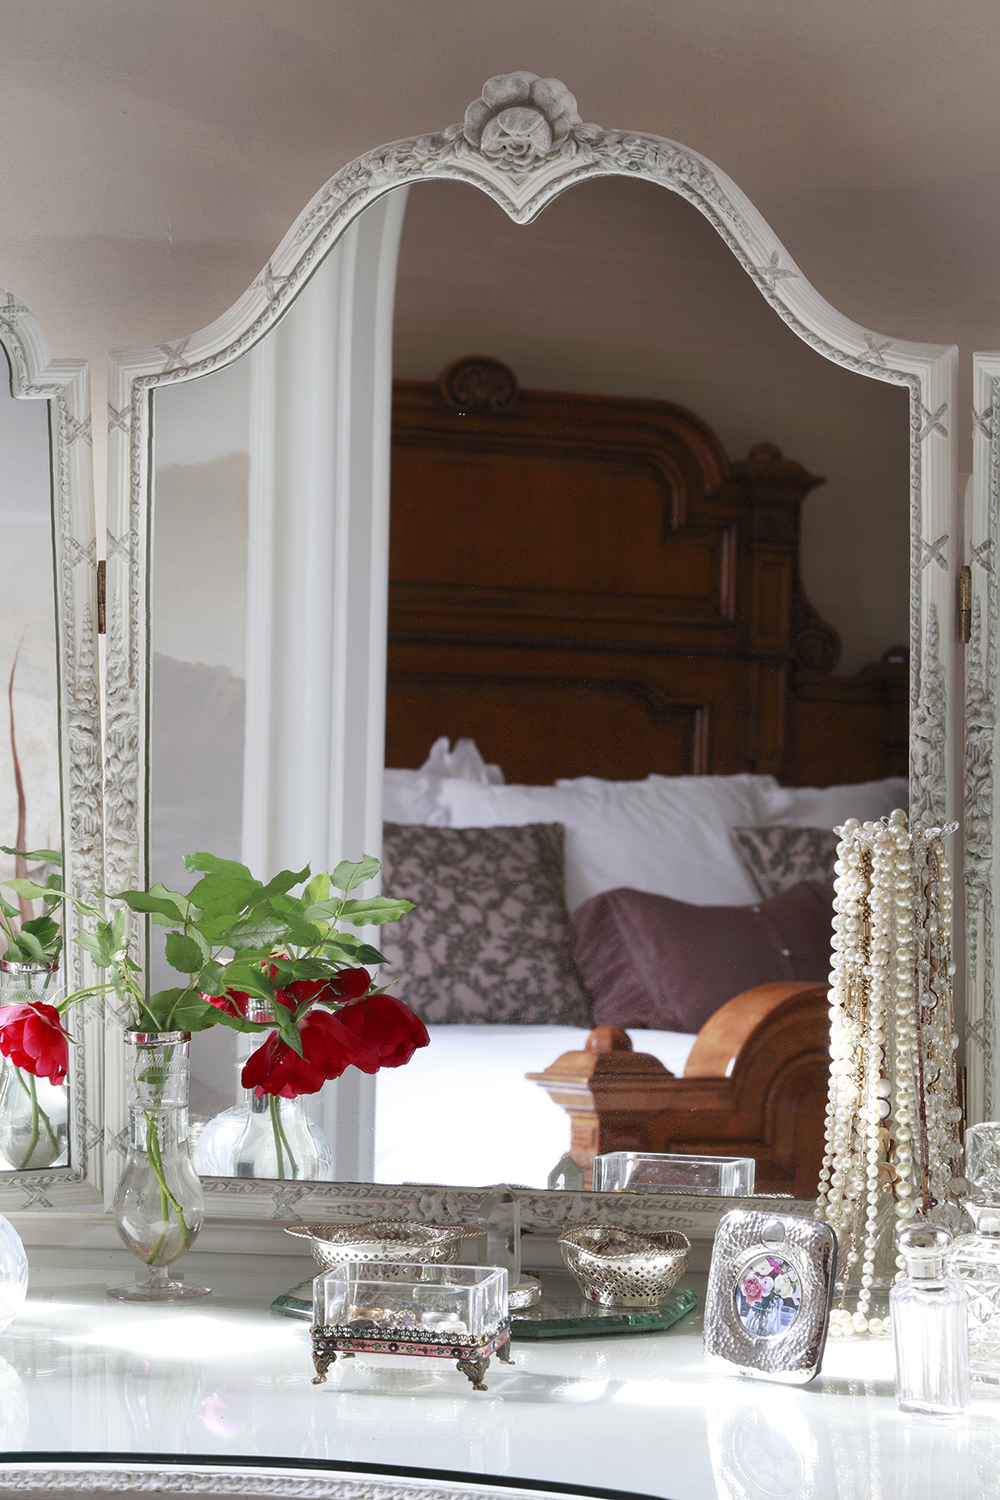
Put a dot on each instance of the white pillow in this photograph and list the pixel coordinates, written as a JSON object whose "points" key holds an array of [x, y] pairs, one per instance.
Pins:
{"points": [[464, 761], [667, 834], [829, 806], [414, 796]]}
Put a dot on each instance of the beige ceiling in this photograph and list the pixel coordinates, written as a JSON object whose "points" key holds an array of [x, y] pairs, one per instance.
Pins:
{"points": [[153, 153]]}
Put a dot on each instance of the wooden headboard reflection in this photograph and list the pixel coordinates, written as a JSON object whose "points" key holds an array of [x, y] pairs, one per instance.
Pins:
{"points": [[588, 586]]}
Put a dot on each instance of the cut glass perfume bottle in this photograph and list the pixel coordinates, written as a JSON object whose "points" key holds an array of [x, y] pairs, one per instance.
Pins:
{"points": [[975, 1258], [930, 1327]]}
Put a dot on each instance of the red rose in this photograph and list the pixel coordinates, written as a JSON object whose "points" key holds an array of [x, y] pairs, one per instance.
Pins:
{"points": [[34, 1038], [328, 1047], [233, 1002], [347, 984], [350, 984], [388, 1032]]}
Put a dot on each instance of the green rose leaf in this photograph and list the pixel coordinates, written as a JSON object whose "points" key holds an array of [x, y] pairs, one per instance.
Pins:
{"points": [[43, 927], [26, 949], [290, 1034], [257, 931], [181, 1010], [159, 901], [214, 866], [212, 978], [51, 856], [346, 948], [248, 977], [349, 873], [184, 953], [100, 949], [29, 888], [374, 912], [285, 881], [318, 889], [231, 894]]}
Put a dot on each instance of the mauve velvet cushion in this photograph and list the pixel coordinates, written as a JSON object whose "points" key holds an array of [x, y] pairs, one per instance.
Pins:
{"points": [[651, 961]]}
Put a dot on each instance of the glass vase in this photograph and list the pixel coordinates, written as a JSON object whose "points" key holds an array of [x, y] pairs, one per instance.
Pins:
{"points": [[34, 1119], [265, 1136], [159, 1206], [34, 1112], [280, 1141]]}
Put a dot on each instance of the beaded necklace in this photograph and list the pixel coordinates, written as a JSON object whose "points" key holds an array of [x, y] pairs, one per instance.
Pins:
{"points": [[892, 1121]]}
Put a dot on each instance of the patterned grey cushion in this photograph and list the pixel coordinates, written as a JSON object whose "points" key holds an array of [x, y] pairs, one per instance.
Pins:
{"points": [[779, 858], [487, 940]]}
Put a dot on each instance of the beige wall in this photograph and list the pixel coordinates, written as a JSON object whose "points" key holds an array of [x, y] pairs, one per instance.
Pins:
{"points": [[153, 154], [620, 288]]}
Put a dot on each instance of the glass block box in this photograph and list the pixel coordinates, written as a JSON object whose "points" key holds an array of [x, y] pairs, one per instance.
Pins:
{"points": [[651, 1172], [446, 1312]]}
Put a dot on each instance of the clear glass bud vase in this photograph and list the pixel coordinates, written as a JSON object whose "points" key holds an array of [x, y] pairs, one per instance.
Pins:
{"points": [[159, 1206], [34, 1113], [280, 1141]]}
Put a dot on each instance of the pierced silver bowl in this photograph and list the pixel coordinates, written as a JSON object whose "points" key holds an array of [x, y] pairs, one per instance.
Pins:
{"points": [[624, 1267], [382, 1240]]}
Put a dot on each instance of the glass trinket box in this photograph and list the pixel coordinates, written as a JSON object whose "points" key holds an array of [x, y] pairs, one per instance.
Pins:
{"points": [[654, 1172], [441, 1311]]}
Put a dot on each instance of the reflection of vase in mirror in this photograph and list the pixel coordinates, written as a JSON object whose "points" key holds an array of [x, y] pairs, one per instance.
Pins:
{"points": [[34, 1111], [280, 1141], [264, 1136], [34, 1120]]}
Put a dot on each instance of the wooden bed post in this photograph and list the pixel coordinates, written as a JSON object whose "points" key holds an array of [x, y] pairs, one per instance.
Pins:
{"points": [[771, 1106]]}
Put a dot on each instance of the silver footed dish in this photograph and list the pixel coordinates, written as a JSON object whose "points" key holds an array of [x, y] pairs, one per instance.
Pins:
{"points": [[382, 1240], [624, 1267]]}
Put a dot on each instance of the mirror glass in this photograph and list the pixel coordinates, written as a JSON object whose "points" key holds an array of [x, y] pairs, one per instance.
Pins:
{"points": [[33, 1112], [198, 659], [618, 289]]}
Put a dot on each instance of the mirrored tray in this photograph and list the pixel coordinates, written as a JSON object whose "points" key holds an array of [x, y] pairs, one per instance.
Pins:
{"points": [[563, 1311]]}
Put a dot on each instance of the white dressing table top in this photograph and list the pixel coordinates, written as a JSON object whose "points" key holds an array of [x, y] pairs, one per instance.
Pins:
{"points": [[226, 1377]]}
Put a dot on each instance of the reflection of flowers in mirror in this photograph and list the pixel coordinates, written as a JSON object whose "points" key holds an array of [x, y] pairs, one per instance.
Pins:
{"points": [[33, 1037]]}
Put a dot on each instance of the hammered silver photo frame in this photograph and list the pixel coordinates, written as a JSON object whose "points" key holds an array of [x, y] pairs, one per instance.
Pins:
{"points": [[770, 1287]]}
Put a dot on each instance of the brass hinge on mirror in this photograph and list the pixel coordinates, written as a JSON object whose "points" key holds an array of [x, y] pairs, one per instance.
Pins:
{"points": [[102, 595], [965, 605]]}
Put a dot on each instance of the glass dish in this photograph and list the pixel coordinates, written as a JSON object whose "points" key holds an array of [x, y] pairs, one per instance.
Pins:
{"points": [[652, 1172]]}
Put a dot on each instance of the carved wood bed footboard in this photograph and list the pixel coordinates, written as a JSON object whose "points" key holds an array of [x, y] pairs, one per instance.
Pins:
{"points": [[771, 1106]]}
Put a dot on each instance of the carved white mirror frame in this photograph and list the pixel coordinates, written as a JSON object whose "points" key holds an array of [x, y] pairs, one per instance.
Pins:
{"points": [[65, 386], [982, 765], [523, 143]]}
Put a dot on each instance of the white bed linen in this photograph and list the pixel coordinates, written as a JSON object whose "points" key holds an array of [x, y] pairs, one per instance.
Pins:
{"points": [[461, 1110]]}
